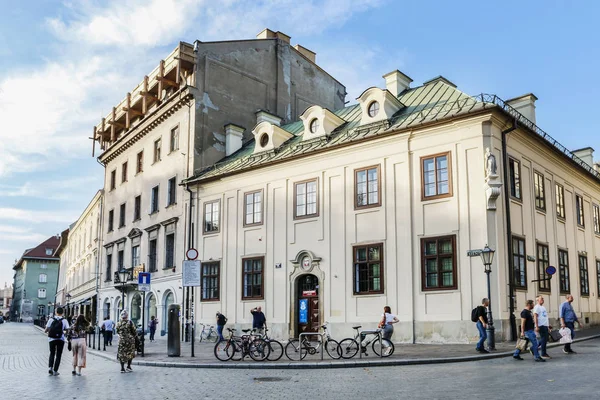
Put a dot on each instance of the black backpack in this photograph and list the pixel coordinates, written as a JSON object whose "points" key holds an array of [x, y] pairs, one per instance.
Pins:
{"points": [[56, 329], [474, 316], [222, 320]]}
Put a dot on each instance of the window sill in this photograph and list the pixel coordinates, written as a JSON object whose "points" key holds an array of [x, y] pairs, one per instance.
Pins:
{"points": [[436, 197], [156, 161], [211, 233], [253, 225], [138, 173], [581, 227], [209, 300], [520, 288], [172, 151], [167, 268], [171, 205], [371, 294], [249, 299], [439, 290], [110, 231], [561, 219], [541, 210], [153, 212], [516, 199], [137, 219], [121, 227], [307, 218]]}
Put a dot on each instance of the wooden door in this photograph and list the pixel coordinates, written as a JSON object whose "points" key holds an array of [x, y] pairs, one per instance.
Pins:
{"points": [[309, 318]]}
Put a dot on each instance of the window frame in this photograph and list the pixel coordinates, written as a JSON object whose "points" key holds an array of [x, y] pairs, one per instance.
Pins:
{"points": [[424, 287], [174, 144], [598, 272], [515, 179], [355, 263], [169, 254], [111, 220], [295, 202], [522, 257], [137, 208], [366, 169], [154, 200], [584, 284], [157, 148], [40, 291], [109, 271], [171, 191], [122, 212], [262, 280], [151, 255], [596, 212], [133, 257], [113, 179], [139, 162], [541, 265], [564, 275], [217, 280], [448, 155], [124, 172], [207, 203], [579, 210], [560, 201], [45, 280], [262, 206], [539, 191]]}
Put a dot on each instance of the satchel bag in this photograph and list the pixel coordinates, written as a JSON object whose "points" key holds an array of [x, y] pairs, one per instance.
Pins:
{"points": [[555, 335], [522, 344], [565, 334]]}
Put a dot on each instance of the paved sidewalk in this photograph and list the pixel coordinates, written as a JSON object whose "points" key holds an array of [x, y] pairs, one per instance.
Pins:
{"points": [[405, 354]]}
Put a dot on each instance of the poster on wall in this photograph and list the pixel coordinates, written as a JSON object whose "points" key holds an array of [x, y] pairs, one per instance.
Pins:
{"points": [[303, 315]]}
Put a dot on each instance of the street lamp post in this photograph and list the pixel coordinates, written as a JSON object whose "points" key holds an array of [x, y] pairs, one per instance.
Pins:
{"points": [[487, 256], [51, 304], [123, 276], [68, 297]]}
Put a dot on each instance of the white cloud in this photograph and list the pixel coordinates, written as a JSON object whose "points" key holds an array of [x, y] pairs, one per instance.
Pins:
{"points": [[62, 189], [13, 229], [31, 237], [19, 214]]}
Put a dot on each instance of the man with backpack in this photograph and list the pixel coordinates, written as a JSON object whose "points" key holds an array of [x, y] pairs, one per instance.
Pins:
{"points": [[479, 316], [55, 328], [221, 321]]}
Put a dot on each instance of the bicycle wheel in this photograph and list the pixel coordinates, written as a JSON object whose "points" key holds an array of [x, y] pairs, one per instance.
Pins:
{"points": [[293, 350], [212, 337], [259, 349], [348, 348], [332, 347], [387, 347], [237, 350], [276, 350], [224, 350]]}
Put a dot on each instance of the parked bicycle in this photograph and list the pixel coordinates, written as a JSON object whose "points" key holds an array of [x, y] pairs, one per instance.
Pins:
{"points": [[349, 346], [296, 350], [276, 348], [238, 347], [208, 333]]}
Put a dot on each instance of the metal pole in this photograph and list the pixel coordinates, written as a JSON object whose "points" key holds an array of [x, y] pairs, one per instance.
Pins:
{"points": [[491, 340], [143, 320], [193, 330]]}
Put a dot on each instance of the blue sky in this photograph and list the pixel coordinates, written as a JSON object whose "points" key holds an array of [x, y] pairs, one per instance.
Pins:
{"points": [[63, 65]]}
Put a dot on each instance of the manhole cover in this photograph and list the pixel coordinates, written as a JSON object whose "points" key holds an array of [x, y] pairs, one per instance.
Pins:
{"points": [[271, 379]]}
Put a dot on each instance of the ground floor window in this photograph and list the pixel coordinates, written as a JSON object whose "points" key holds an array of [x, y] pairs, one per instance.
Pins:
{"points": [[368, 268], [252, 278], [438, 263], [583, 276], [210, 281]]}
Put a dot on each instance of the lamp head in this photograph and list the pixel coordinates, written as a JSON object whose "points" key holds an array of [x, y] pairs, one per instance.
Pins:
{"points": [[487, 256]]}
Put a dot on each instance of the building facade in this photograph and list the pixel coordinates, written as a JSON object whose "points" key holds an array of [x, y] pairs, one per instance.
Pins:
{"points": [[380, 203], [6, 296], [179, 119], [35, 281]]}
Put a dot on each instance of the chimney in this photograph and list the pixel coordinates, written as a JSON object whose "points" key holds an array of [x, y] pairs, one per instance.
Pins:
{"points": [[525, 105], [269, 34], [597, 167], [311, 55], [586, 155], [396, 82], [262, 115], [233, 138]]}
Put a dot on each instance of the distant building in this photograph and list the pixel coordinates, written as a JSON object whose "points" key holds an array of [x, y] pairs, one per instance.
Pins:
{"points": [[6, 296], [35, 280]]}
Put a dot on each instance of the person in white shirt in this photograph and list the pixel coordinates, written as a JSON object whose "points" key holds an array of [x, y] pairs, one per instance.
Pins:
{"points": [[387, 319], [55, 328], [541, 322], [107, 327]]}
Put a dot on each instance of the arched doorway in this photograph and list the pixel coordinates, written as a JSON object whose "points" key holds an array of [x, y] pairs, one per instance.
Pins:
{"points": [[117, 310], [307, 304], [136, 309], [169, 299], [150, 307]]}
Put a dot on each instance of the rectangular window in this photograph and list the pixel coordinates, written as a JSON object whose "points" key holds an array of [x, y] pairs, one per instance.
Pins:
{"points": [[563, 272], [139, 165], [154, 200], [171, 191], [306, 199], [543, 261], [137, 208], [174, 142], [583, 276], [560, 201], [113, 179], [438, 263], [211, 216], [44, 266], [514, 170], [43, 278], [124, 172], [42, 293], [598, 272], [519, 263], [596, 219], [135, 255], [435, 176], [253, 208], [120, 259], [210, 281], [157, 145], [540, 192], [111, 218], [170, 250], [368, 268], [152, 265], [108, 268], [252, 278], [579, 210], [122, 216], [366, 187]]}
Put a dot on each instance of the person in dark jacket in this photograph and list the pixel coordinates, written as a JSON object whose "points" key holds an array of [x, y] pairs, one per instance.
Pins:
{"points": [[481, 324], [258, 319], [221, 321]]}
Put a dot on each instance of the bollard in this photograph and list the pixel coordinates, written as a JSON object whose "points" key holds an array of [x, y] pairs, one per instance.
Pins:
{"points": [[173, 335]]}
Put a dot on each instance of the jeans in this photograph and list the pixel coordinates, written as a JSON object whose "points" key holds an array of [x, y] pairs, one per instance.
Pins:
{"points": [[543, 339], [56, 349], [220, 331], [388, 331], [482, 335], [571, 326], [534, 344], [152, 332]]}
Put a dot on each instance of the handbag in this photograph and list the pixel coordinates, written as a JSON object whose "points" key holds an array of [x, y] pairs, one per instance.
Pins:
{"points": [[522, 344], [555, 335], [565, 334], [69, 345]]}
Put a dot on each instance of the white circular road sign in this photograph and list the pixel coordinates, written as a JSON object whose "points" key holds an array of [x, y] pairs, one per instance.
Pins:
{"points": [[191, 254]]}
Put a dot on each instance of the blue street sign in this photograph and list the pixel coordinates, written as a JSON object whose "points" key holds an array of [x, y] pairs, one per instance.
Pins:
{"points": [[303, 311], [144, 278], [551, 270]]}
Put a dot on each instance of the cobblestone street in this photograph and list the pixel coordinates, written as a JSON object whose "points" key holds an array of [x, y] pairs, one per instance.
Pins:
{"points": [[24, 352]]}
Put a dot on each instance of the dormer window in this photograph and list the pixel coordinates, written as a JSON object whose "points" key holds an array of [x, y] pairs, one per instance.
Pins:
{"points": [[48, 252], [268, 136], [264, 140], [319, 121], [373, 109], [314, 125]]}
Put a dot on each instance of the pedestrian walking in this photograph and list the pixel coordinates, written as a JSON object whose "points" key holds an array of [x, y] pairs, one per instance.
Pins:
{"points": [[221, 321], [126, 350], [542, 325], [77, 334], [387, 321], [258, 319], [568, 317], [55, 328], [528, 332], [481, 324], [107, 331], [152, 324]]}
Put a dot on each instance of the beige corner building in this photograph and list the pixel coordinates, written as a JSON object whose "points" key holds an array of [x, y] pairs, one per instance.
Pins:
{"points": [[350, 209]]}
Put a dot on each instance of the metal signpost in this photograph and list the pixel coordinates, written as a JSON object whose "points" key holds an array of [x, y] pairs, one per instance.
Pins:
{"points": [[191, 278], [143, 286]]}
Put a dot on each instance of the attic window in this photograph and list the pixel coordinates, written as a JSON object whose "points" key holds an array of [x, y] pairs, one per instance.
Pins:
{"points": [[264, 140], [314, 125], [373, 109], [48, 252]]}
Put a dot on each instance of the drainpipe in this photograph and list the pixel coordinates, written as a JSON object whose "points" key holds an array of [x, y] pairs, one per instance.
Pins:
{"points": [[511, 272], [187, 289]]}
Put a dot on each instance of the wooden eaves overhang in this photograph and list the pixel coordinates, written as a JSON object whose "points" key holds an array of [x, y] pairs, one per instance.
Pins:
{"points": [[175, 71]]}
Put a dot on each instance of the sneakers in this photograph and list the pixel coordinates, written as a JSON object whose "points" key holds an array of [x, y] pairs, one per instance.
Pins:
{"points": [[56, 373], [518, 358], [572, 352], [540, 360], [482, 350], [546, 356], [122, 371], [74, 373], [50, 372], [129, 369]]}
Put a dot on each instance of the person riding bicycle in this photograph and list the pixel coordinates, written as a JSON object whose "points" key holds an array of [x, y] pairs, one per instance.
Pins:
{"points": [[221, 321]]}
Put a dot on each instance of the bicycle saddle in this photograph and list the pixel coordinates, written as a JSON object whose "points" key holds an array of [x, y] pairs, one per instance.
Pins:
{"points": [[357, 327], [246, 330]]}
